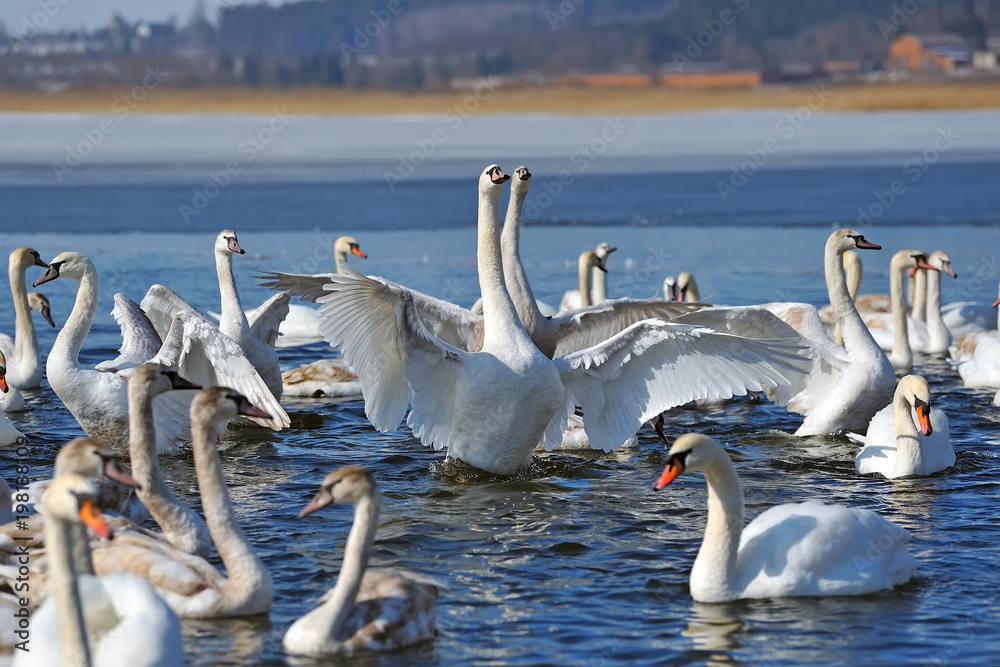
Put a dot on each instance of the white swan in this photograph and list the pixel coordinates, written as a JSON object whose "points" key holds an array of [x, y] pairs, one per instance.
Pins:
{"points": [[897, 331], [367, 610], [491, 408], [25, 358], [683, 288], [191, 344], [256, 340], [110, 621], [938, 336], [324, 378], [977, 356], [596, 281], [847, 385], [894, 447], [855, 273], [789, 550], [192, 586]]}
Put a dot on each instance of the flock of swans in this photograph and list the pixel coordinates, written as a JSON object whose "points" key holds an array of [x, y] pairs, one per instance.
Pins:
{"points": [[490, 386]]}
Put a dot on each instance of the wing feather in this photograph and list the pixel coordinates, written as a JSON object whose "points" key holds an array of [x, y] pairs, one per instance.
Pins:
{"points": [[265, 321], [653, 366], [140, 342], [579, 329]]}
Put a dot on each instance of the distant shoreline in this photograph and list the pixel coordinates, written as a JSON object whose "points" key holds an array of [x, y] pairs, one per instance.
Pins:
{"points": [[952, 95]]}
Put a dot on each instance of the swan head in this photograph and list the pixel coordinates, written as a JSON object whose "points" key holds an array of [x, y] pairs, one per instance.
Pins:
{"points": [[914, 389], [22, 258], [73, 499], [589, 260], [226, 243], [911, 259], [3, 373], [491, 181], [66, 265], [604, 249], [40, 303], [691, 451], [217, 405], [687, 284], [154, 379], [940, 260], [671, 291], [846, 239], [91, 458], [348, 245], [344, 485], [519, 182]]}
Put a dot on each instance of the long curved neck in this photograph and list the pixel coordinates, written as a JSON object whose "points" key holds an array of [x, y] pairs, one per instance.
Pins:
{"points": [[714, 571], [337, 609], [598, 285], [25, 339], [692, 294], [246, 572], [73, 648], [583, 273], [909, 455], [918, 300], [232, 319], [74, 332], [900, 335], [857, 339], [500, 321], [180, 525], [513, 271], [936, 329], [338, 257]]}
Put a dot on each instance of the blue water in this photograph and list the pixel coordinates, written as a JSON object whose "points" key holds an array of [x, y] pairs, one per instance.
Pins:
{"points": [[576, 561]]}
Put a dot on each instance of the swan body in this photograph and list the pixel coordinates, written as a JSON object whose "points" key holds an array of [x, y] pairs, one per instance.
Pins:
{"points": [[965, 317], [846, 385], [331, 378], [894, 447], [977, 356], [367, 610], [191, 586], [9, 435], [491, 408], [802, 549], [11, 399], [24, 357], [596, 282], [117, 620]]}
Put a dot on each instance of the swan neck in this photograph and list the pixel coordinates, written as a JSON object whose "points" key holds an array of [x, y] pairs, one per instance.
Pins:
{"points": [[500, 321], [714, 571], [356, 554], [232, 318], [513, 270], [25, 340], [938, 334], [900, 334], [918, 300], [73, 649], [857, 339], [246, 572], [599, 285], [908, 450], [583, 274], [338, 257], [70, 339]]}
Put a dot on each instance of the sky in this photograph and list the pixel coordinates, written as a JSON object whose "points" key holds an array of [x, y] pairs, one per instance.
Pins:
{"points": [[56, 15]]}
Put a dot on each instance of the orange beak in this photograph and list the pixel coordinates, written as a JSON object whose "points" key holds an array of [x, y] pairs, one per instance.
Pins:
{"points": [[924, 417], [357, 251], [3, 384], [91, 516], [996, 303], [674, 468]]}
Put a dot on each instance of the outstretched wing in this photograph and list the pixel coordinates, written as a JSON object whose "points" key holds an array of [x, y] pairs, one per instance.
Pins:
{"points": [[204, 355], [452, 324], [161, 304], [140, 342], [586, 327], [396, 358], [265, 321], [653, 366]]}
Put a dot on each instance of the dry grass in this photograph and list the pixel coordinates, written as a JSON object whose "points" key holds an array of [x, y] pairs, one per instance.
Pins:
{"points": [[884, 97]]}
